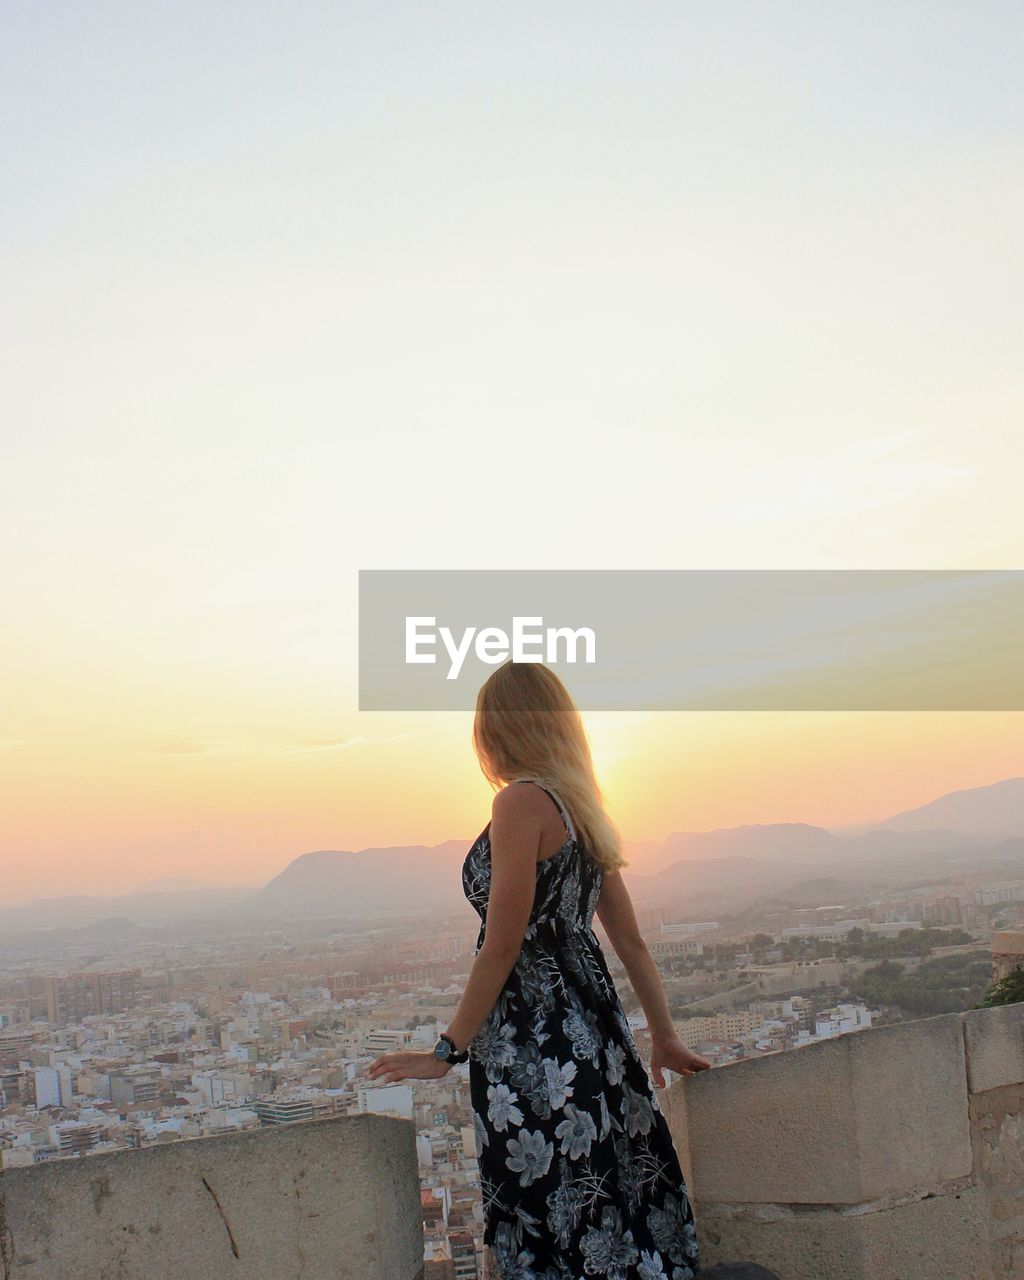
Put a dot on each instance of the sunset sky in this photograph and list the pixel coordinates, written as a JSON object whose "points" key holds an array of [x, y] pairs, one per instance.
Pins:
{"points": [[294, 291]]}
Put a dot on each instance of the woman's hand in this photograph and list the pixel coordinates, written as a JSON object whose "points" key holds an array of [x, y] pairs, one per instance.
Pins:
{"points": [[410, 1064], [670, 1052]]}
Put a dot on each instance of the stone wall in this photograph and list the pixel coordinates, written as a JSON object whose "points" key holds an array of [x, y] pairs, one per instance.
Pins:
{"points": [[895, 1153], [1007, 951], [335, 1198]]}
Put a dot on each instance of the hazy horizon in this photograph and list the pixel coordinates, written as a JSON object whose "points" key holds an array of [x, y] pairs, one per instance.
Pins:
{"points": [[643, 861]]}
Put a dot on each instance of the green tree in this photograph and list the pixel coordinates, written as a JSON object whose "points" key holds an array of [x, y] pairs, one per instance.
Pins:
{"points": [[944, 984], [1008, 990]]}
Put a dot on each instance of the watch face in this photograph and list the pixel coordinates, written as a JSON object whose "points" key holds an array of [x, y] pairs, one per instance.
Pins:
{"points": [[442, 1049]]}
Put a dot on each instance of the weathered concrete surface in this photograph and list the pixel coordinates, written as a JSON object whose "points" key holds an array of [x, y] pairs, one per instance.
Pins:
{"points": [[1007, 950], [997, 1126], [995, 1047], [890, 1154], [820, 1124], [737, 1271], [934, 1239], [334, 1199]]}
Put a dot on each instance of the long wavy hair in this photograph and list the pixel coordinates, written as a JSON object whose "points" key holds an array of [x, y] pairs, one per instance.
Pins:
{"points": [[527, 726]]}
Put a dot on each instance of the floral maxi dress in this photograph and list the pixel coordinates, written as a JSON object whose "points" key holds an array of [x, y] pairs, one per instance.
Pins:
{"points": [[578, 1172]]}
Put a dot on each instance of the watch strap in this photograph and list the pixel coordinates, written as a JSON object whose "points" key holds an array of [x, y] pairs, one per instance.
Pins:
{"points": [[455, 1055]]}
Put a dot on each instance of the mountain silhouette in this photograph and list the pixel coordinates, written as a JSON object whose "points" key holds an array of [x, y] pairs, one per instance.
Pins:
{"points": [[402, 878], [976, 828], [993, 810]]}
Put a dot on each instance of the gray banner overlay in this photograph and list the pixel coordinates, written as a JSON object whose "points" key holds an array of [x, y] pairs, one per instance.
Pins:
{"points": [[699, 639]]}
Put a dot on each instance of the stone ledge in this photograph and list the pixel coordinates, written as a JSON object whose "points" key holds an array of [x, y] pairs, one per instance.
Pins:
{"points": [[995, 1047], [333, 1199], [932, 1239], [997, 1127], [925, 1119], [848, 1120], [766, 1211]]}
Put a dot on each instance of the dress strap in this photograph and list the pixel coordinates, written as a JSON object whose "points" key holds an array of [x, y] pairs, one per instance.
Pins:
{"points": [[558, 801]]}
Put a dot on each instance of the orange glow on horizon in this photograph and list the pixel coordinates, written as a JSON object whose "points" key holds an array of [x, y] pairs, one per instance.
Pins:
{"points": [[141, 809]]}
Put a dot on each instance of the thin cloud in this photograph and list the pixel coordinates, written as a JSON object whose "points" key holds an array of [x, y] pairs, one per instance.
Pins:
{"points": [[324, 744], [308, 746], [340, 744]]}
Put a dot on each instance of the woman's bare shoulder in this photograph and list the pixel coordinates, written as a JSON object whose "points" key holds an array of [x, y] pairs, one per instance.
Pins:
{"points": [[520, 800]]}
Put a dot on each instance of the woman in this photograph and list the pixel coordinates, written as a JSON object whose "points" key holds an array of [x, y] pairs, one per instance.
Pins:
{"points": [[577, 1168]]}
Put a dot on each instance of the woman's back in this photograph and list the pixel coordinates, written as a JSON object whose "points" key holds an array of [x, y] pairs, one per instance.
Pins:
{"points": [[568, 880]]}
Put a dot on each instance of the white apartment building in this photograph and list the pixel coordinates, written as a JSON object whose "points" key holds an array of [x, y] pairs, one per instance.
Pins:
{"points": [[837, 930], [53, 1086], [384, 1100], [670, 948], [387, 1040], [840, 1020], [995, 895], [223, 1087]]}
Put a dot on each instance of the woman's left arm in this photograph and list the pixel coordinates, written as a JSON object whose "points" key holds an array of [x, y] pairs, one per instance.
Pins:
{"points": [[615, 911], [516, 825]]}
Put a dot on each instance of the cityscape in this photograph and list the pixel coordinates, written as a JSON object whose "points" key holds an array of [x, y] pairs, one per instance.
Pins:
{"points": [[124, 1032]]}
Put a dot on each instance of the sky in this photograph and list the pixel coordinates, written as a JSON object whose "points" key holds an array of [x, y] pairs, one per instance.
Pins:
{"points": [[291, 291]]}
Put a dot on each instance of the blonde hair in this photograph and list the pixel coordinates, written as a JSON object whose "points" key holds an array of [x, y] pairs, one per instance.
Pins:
{"points": [[527, 726]]}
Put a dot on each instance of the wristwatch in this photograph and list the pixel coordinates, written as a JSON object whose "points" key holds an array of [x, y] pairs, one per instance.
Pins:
{"points": [[445, 1050]]}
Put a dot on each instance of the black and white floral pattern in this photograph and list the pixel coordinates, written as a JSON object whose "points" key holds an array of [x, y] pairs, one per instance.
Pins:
{"points": [[579, 1175]]}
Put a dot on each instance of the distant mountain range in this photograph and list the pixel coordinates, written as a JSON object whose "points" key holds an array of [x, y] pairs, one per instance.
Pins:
{"points": [[996, 810], [407, 878], [150, 906], [971, 829]]}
